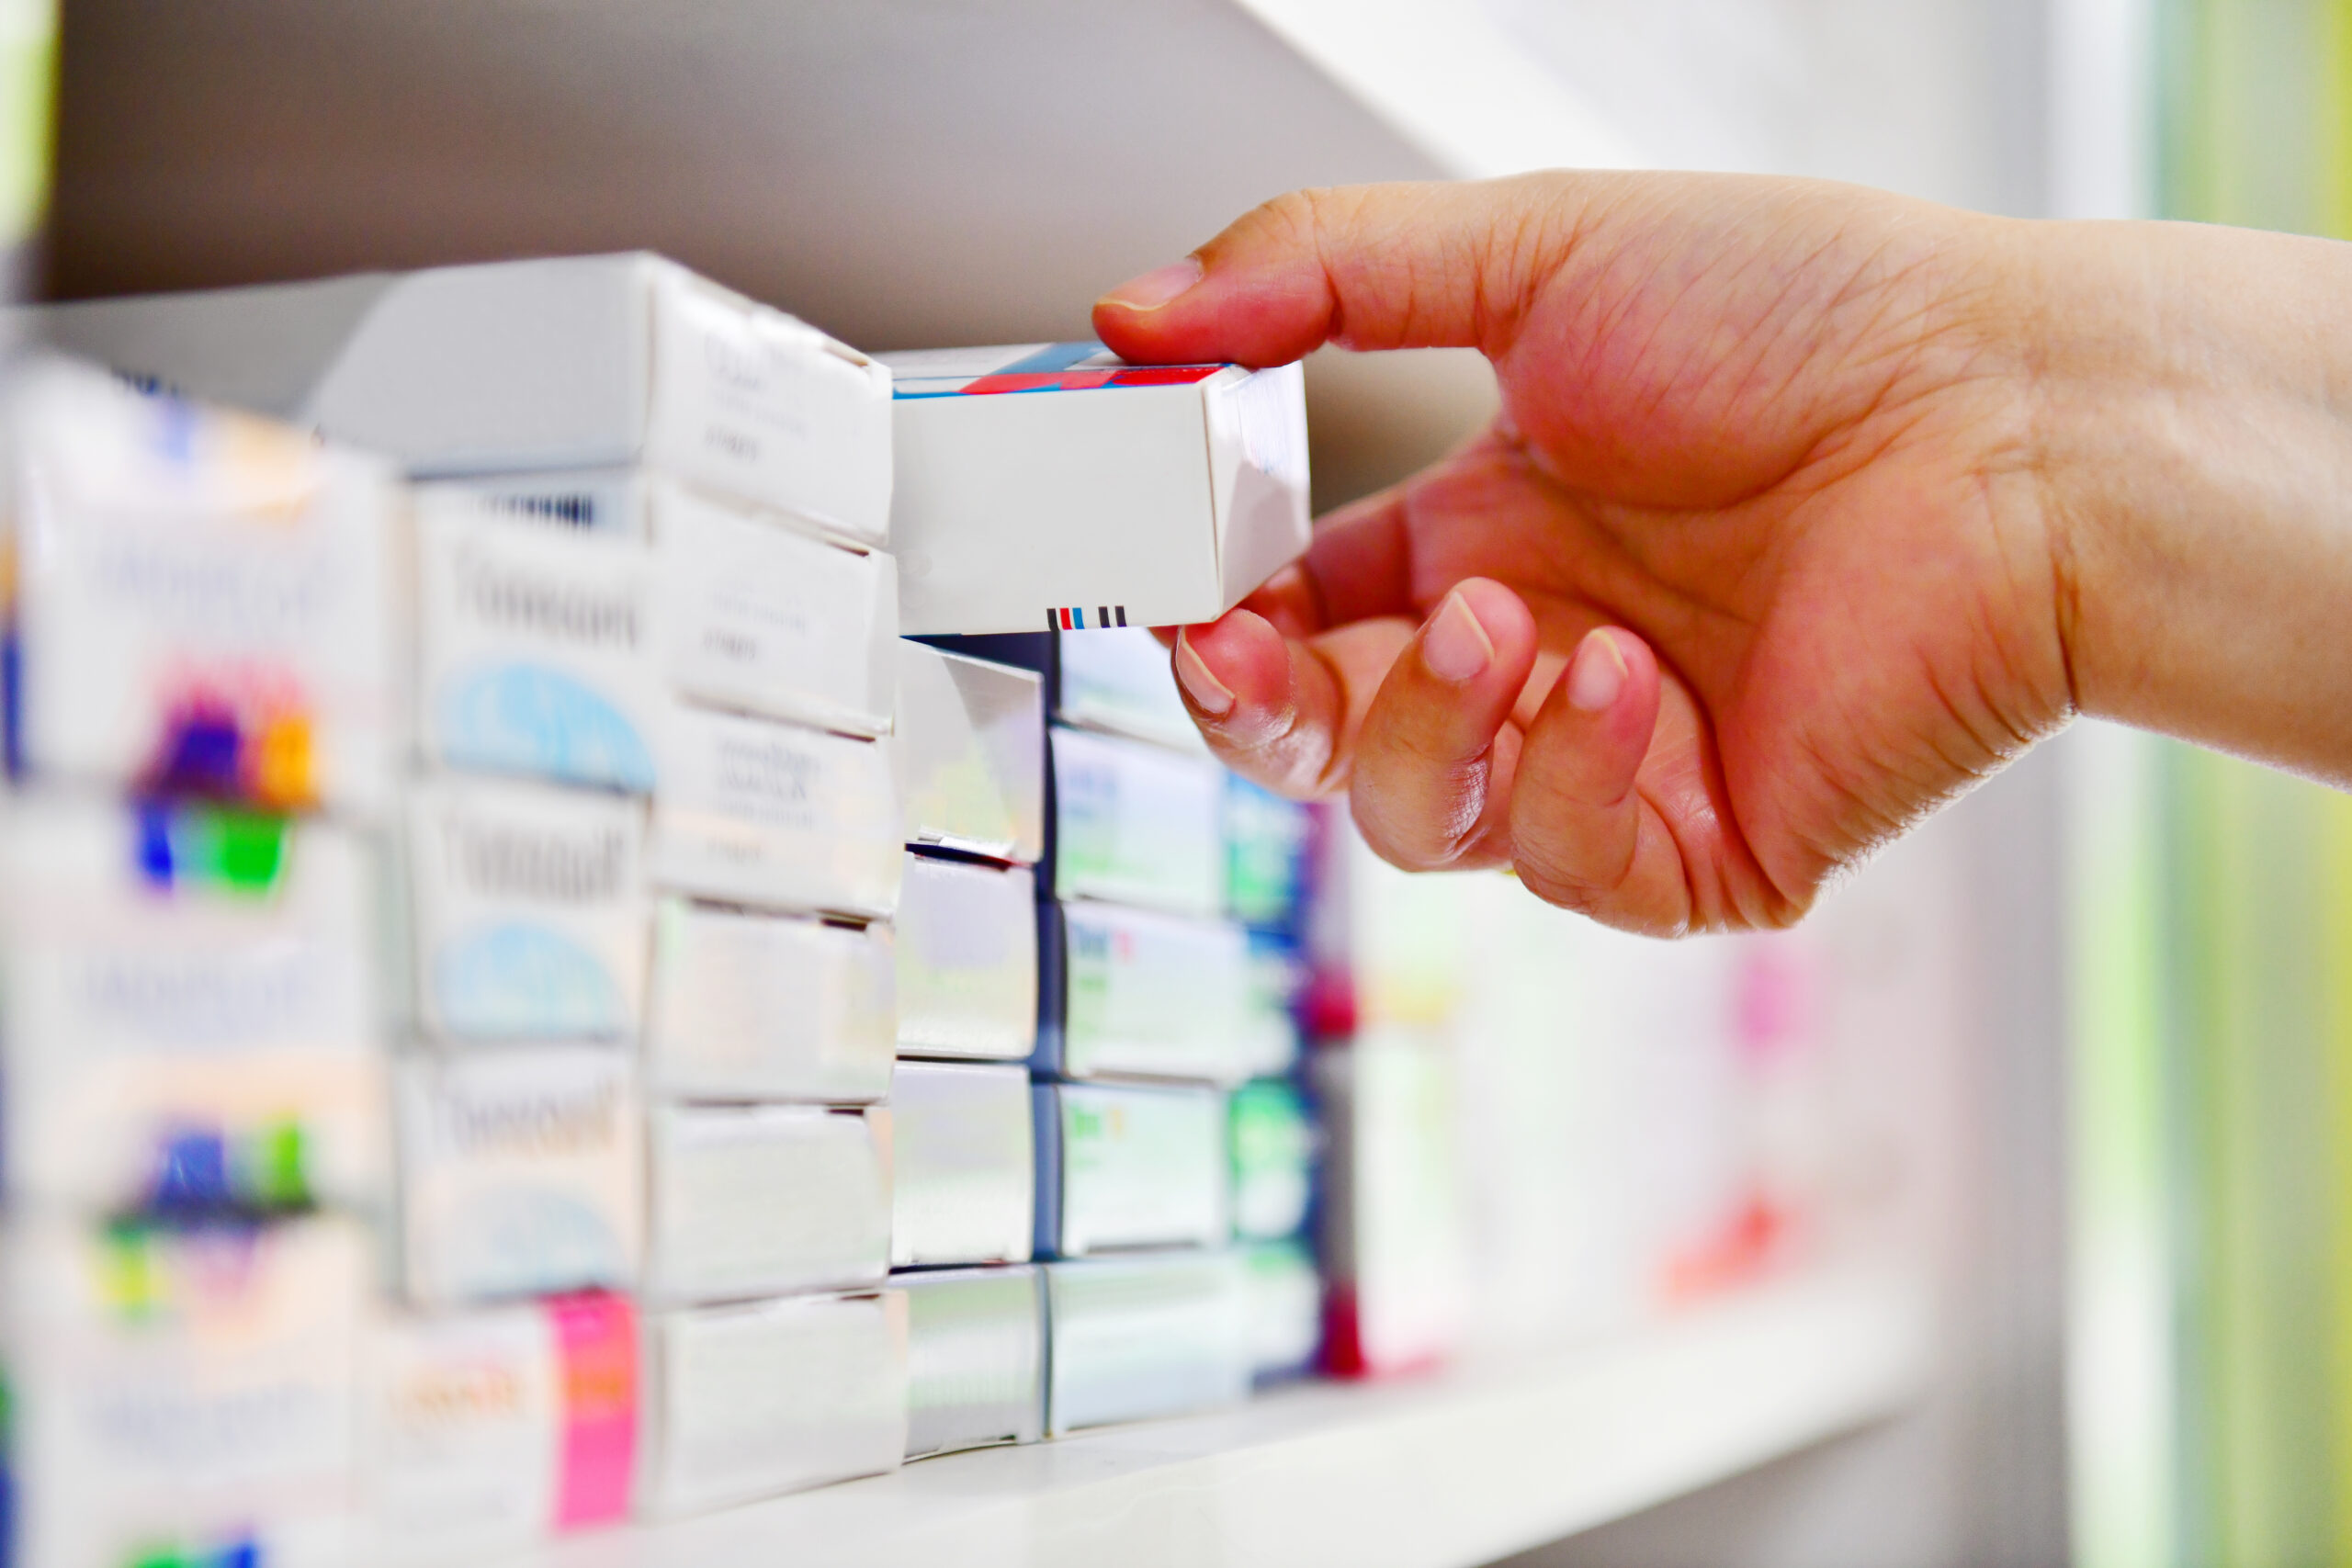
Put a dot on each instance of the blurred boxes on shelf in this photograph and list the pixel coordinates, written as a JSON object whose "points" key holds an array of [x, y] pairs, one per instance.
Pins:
{"points": [[966, 960], [1161, 1334], [1132, 993], [748, 1200], [976, 1357], [1271, 1134], [1136, 824], [1281, 1308], [971, 754], [962, 1165], [1123, 1166]]}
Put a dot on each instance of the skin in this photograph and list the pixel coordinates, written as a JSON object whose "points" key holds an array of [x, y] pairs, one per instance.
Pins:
{"points": [[1808, 508]]}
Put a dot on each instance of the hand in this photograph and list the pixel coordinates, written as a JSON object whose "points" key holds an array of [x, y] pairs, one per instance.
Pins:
{"points": [[1760, 563]]}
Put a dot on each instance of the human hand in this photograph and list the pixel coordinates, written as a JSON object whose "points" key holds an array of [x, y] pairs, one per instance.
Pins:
{"points": [[1757, 565]]}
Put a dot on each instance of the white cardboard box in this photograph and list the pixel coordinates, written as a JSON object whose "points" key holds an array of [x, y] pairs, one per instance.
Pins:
{"points": [[568, 362], [183, 1391], [1052, 479], [491, 1430], [1122, 1166], [747, 1201], [775, 815], [967, 960], [529, 909], [749, 1006], [520, 1173], [1136, 824], [202, 601], [187, 1001], [976, 1357], [971, 754], [1137, 1337], [746, 1402], [753, 617], [1120, 682], [1137, 994], [962, 1165], [1282, 1298]]}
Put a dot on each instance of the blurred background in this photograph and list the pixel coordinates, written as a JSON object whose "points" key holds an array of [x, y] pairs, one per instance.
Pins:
{"points": [[2079, 1053]]}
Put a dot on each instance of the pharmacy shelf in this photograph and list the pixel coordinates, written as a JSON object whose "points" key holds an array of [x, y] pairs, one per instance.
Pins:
{"points": [[1444, 1472]]}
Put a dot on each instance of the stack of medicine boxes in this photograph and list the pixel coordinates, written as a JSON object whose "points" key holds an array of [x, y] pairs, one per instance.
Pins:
{"points": [[199, 704], [1151, 1010], [655, 671]]}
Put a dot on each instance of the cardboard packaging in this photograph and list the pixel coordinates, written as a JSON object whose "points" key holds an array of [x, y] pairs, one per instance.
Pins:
{"points": [[746, 1402], [966, 960], [1282, 1303], [747, 1201], [520, 1173], [1128, 1166], [536, 649], [1267, 839], [488, 1430], [1273, 1140], [1000, 501], [183, 1395], [1136, 824], [976, 1357], [749, 1006], [971, 754], [964, 1165], [1120, 682], [775, 816], [753, 615], [573, 362], [1133, 994], [199, 602], [188, 1022], [529, 909], [1268, 1043], [1137, 1337]]}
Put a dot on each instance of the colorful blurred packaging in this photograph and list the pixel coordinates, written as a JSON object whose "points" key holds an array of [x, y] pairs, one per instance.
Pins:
{"points": [[529, 911], [1273, 1143], [1122, 1167], [962, 1165], [491, 1430], [967, 960], [976, 1357], [971, 741], [1163, 1334], [773, 816], [746, 1201], [200, 600], [1001, 498], [555, 363], [187, 1017], [183, 1395], [1283, 1306], [520, 1173], [751, 1006], [1267, 1039], [745, 1401], [1129, 993], [1266, 854], [1137, 824]]}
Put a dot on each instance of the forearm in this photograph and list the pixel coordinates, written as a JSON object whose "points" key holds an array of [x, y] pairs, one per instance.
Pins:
{"points": [[2194, 400]]}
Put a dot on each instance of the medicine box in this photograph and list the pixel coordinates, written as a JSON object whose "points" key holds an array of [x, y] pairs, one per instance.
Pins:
{"points": [[746, 1201], [747, 1401], [1130, 993], [1267, 843], [491, 1430], [1120, 682], [536, 648], [1055, 479], [753, 615], [529, 907], [199, 602], [183, 1393], [1128, 1166], [1136, 824], [976, 1357], [575, 362], [188, 1022], [966, 960], [1164, 1334], [753, 1006], [776, 816], [1282, 1305], [1272, 1141], [964, 1165], [971, 754], [520, 1173]]}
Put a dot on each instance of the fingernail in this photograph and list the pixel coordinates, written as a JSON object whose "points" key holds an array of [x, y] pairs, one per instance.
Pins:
{"points": [[1209, 694], [1598, 673], [1453, 645], [1158, 287]]}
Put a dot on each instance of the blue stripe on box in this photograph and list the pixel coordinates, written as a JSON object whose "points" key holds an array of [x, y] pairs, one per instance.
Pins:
{"points": [[1053, 356]]}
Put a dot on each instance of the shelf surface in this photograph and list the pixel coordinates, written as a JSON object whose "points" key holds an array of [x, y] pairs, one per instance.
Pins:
{"points": [[1444, 1472]]}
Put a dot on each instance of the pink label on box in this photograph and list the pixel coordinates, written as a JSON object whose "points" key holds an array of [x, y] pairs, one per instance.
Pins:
{"points": [[596, 1339]]}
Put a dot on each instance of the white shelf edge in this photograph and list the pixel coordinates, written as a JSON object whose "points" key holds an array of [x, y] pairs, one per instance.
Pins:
{"points": [[1445, 1471]]}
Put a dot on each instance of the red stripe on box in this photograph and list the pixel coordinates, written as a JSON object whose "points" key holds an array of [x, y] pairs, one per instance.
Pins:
{"points": [[1164, 375]]}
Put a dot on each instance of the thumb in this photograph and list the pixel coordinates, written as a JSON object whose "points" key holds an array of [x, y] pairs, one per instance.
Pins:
{"points": [[1451, 265]]}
